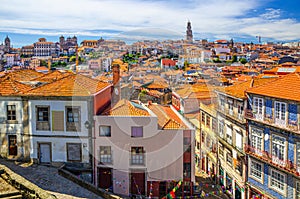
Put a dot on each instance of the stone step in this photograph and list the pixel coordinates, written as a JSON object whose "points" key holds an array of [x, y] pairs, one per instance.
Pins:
{"points": [[10, 195]]}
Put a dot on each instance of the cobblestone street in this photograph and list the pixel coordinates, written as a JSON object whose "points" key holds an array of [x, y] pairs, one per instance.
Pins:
{"points": [[47, 178]]}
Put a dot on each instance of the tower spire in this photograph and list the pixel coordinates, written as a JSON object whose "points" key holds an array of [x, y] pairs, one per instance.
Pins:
{"points": [[189, 32]]}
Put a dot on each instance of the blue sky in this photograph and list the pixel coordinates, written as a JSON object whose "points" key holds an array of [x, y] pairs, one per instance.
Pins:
{"points": [[273, 20]]}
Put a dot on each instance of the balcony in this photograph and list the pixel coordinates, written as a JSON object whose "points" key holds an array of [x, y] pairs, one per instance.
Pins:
{"points": [[231, 113], [266, 119], [265, 156]]}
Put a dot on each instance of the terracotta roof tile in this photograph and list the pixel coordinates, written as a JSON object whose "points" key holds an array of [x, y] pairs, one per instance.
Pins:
{"points": [[238, 89], [126, 108], [72, 85], [24, 75], [10, 87], [285, 87], [52, 76], [167, 118]]}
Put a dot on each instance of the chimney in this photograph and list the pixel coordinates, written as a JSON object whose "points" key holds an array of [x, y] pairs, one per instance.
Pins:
{"points": [[116, 74], [116, 94]]}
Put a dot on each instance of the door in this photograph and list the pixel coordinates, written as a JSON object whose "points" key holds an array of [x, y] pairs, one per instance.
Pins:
{"points": [[105, 178], [12, 145], [137, 183], [45, 153]]}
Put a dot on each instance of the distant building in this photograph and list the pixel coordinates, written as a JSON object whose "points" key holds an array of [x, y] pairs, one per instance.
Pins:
{"points": [[42, 48], [6, 46], [189, 33], [67, 45]]}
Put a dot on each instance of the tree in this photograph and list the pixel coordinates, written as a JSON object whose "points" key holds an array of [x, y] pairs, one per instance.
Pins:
{"points": [[43, 63], [243, 60], [234, 58]]}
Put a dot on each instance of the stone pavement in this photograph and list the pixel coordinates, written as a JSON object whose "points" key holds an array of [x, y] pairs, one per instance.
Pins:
{"points": [[209, 187], [47, 178]]}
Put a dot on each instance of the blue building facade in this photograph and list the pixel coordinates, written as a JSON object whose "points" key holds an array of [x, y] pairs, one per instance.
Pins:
{"points": [[273, 148]]}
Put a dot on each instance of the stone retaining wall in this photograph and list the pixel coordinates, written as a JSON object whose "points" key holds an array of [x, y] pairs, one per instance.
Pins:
{"points": [[86, 185]]}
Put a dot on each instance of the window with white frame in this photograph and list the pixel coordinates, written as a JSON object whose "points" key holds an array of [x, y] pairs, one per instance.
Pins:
{"points": [[11, 112], [221, 129], [222, 102], [230, 106], [229, 134], [238, 140], [258, 107], [105, 154], [105, 131], [73, 119], [277, 181], [137, 156], [240, 110], [221, 150], [298, 156], [278, 149], [297, 189], [256, 140], [229, 158], [256, 169], [280, 111]]}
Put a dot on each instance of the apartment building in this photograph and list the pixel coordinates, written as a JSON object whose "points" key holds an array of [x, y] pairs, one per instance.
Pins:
{"points": [[273, 148]]}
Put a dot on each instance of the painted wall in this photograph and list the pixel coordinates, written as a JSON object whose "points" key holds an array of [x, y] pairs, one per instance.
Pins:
{"points": [[164, 149], [102, 99], [58, 138], [11, 128]]}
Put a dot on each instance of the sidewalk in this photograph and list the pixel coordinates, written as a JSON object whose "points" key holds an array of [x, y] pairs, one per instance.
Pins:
{"points": [[47, 178], [210, 189]]}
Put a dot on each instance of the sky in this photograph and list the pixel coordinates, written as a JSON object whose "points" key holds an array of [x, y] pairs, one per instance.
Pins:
{"points": [[273, 20]]}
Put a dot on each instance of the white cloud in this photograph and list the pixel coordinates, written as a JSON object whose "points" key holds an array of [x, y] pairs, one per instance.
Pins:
{"points": [[217, 17]]}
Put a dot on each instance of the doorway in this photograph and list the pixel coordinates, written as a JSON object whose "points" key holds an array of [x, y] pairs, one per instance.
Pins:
{"points": [[45, 152], [12, 145]]}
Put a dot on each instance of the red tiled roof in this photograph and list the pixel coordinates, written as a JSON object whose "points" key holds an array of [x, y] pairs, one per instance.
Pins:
{"points": [[72, 85], [10, 87], [285, 87], [167, 118], [126, 108]]}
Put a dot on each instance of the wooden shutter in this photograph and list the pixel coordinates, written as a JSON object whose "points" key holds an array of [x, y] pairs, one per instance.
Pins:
{"points": [[58, 121]]}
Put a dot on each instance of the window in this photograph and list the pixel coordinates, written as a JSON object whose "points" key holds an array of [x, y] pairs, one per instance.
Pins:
{"points": [[238, 140], [202, 137], [240, 111], [278, 149], [136, 131], [208, 121], [298, 190], [105, 154], [105, 131], [256, 169], [256, 139], [73, 118], [11, 112], [239, 166], [229, 158], [221, 129], [214, 125], [221, 150], [42, 118], [203, 118], [137, 155], [187, 170], [208, 141], [43, 114], [280, 110], [258, 107], [74, 152], [230, 107], [277, 181], [298, 156], [222, 102], [229, 134]]}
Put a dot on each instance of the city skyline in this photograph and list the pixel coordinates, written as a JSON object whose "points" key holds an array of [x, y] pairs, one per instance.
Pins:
{"points": [[273, 20]]}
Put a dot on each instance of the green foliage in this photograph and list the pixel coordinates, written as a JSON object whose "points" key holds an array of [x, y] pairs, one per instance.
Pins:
{"points": [[234, 58], [217, 60], [243, 60], [43, 63]]}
